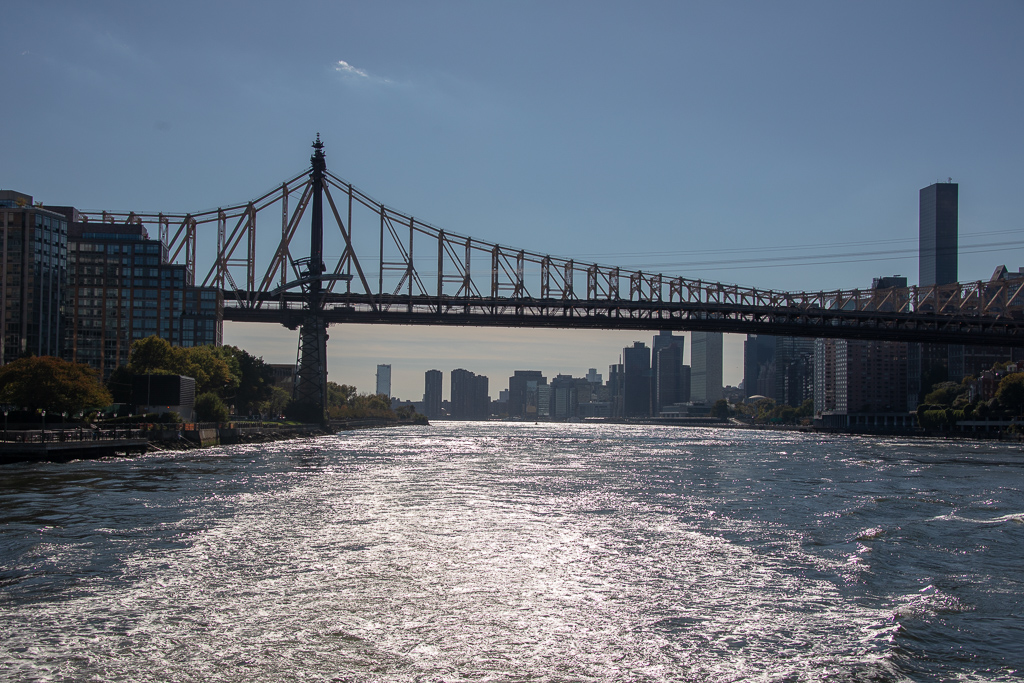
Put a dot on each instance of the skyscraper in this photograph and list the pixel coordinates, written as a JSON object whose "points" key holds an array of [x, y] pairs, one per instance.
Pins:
{"points": [[432, 393], [469, 396], [522, 402], [34, 277], [665, 388], [758, 351], [636, 376], [615, 384], [856, 378], [938, 220], [794, 370], [706, 366], [384, 379], [668, 380]]}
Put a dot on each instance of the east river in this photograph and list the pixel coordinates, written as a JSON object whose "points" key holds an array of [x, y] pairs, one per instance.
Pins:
{"points": [[520, 552]]}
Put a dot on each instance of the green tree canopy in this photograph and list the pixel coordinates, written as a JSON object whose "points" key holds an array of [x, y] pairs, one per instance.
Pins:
{"points": [[210, 408], [1010, 393], [255, 380], [52, 384], [213, 369], [339, 394], [944, 393], [720, 409]]}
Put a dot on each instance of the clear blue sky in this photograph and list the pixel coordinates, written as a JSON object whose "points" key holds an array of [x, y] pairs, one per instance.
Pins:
{"points": [[712, 140]]}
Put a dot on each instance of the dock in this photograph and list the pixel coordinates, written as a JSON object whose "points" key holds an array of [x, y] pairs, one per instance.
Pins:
{"points": [[69, 444]]}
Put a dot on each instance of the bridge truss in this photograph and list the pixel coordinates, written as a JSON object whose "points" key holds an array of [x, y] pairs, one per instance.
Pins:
{"points": [[384, 266]]}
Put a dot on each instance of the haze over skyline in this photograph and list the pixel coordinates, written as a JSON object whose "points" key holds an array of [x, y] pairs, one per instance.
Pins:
{"points": [[779, 146]]}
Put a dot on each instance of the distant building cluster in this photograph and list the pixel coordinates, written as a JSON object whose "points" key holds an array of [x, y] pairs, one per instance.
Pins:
{"points": [[850, 383], [84, 291], [647, 382], [878, 384]]}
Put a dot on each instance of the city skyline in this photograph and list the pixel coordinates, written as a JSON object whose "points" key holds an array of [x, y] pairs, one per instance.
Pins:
{"points": [[354, 357], [773, 146]]}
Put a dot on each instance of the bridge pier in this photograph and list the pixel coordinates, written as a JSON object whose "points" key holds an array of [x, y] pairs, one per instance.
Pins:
{"points": [[311, 377], [310, 392]]}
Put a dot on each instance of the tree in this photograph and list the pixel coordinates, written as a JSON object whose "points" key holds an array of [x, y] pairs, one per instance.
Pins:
{"points": [[279, 399], [210, 408], [720, 409], [944, 393], [207, 366], [255, 380], [210, 367], [1011, 392], [806, 408], [339, 395], [152, 355], [52, 384]]}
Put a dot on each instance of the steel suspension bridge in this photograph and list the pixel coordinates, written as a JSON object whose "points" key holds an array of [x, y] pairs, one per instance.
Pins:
{"points": [[428, 276]]}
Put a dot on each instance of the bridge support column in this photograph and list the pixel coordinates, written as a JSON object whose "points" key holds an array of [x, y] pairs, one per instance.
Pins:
{"points": [[310, 391]]}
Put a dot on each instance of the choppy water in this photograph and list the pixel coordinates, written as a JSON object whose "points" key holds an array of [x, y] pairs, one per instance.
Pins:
{"points": [[513, 552]]}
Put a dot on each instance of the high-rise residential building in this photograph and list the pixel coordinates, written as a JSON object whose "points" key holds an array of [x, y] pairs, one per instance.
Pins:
{"points": [[384, 379], [122, 288], [34, 262], [860, 382], [432, 393], [522, 400], [793, 370], [636, 380], [665, 389], [564, 397], [469, 396], [938, 220], [758, 352], [615, 386], [543, 394], [860, 378], [668, 379], [706, 366]]}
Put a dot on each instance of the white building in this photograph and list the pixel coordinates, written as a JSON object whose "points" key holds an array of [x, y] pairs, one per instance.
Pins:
{"points": [[384, 379], [706, 366]]}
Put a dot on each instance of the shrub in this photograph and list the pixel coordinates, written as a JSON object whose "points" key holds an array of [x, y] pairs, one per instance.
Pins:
{"points": [[210, 408]]}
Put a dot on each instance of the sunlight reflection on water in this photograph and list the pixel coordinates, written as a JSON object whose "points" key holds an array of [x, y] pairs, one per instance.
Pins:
{"points": [[482, 552]]}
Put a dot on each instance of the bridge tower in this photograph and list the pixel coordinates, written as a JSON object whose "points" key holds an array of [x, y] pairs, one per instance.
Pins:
{"points": [[310, 390]]}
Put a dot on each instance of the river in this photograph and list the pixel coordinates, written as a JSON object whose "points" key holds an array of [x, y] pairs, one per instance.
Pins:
{"points": [[520, 552]]}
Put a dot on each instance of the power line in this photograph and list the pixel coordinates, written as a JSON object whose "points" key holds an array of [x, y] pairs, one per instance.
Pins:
{"points": [[791, 247], [815, 259]]}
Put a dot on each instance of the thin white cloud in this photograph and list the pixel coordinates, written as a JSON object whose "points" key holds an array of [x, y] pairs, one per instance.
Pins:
{"points": [[344, 67], [347, 70]]}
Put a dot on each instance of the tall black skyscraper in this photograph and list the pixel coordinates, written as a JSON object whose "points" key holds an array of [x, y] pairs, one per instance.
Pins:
{"points": [[938, 221], [433, 381], [938, 226], [520, 401], [665, 380], [636, 394], [758, 351], [469, 396]]}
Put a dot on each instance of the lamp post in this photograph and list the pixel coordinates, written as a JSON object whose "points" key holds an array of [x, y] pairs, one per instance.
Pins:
{"points": [[5, 424], [42, 434]]}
